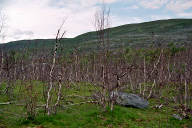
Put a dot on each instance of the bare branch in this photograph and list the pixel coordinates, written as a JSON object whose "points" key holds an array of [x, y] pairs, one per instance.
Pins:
{"points": [[58, 39]]}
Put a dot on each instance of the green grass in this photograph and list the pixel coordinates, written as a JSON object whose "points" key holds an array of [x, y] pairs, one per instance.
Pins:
{"points": [[87, 115]]}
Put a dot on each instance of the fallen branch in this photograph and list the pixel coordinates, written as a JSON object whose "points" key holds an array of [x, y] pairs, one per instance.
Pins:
{"points": [[7, 103], [83, 97], [80, 103], [43, 105]]}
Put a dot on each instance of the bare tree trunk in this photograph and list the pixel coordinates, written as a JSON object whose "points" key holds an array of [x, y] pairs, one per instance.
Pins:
{"points": [[48, 107], [150, 94], [144, 84], [2, 62], [59, 92], [131, 83], [186, 94], [51, 77]]}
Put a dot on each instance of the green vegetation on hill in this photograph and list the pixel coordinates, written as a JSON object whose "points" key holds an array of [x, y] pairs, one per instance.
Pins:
{"points": [[134, 35]]}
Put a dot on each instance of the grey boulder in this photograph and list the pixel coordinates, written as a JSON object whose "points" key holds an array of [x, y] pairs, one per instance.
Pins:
{"points": [[128, 99]]}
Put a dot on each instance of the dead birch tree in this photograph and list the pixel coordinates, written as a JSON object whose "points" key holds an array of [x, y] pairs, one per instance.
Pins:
{"points": [[49, 107], [102, 25], [2, 22]]}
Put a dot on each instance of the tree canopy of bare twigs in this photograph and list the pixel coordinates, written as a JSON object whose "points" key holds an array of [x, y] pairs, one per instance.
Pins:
{"points": [[102, 26], [2, 23]]}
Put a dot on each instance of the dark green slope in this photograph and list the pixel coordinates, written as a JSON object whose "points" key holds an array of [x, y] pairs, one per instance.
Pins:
{"points": [[136, 35], [158, 27]]}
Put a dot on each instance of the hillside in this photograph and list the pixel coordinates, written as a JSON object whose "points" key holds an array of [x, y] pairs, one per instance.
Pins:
{"points": [[148, 87], [134, 35]]}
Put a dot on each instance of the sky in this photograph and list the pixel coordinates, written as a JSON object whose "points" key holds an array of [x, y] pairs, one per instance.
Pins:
{"points": [[40, 19]]}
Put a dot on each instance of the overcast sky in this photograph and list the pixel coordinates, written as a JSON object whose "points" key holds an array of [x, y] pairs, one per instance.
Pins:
{"points": [[32, 19]]}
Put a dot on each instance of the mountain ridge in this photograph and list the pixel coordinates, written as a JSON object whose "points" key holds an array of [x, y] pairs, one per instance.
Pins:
{"points": [[136, 34]]}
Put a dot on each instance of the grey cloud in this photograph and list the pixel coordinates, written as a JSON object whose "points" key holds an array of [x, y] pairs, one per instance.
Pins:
{"points": [[3, 3], [20, 32], [58, 3]]}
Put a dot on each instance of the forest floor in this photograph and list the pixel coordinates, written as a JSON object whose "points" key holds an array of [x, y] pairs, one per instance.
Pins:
{"points": [[86, 115]]}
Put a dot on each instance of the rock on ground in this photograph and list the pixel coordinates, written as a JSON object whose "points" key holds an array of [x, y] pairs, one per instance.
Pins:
{"points": [[127, 99]]}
